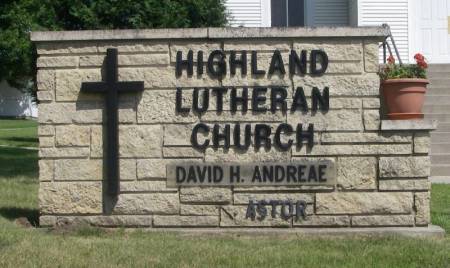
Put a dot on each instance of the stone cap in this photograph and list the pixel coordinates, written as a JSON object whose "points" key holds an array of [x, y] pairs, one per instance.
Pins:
{"points": [[211, 33], [424, 124]]}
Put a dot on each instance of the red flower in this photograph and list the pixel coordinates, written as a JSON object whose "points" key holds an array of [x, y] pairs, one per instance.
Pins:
{"points": [[419, 57], [391, 59], [420, 60]]}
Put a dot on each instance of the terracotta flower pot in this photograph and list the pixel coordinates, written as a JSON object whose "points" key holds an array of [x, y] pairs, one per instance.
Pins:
{"points": [[404, 97]]}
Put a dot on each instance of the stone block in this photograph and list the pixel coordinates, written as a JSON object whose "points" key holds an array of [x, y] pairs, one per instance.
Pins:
{"points": [[363, 203], [357, 149], [371, 119], [145, 186], [420, 124], [344, 103], [258, 45], [73, 135], [397, 167], [47, 221], [371, 52], [348, 68], [68, 84], [256, 80], [404, 185], [127, 169], [143, 59], [156, 168], [205, 195], [181, 152], [67, 113], [135, 46], [333, 120], [199, 210], [357, 173], [70, 197], [338, 50], [46, 170], [46, 130], [148, 203], [185, 221], [96, 149], [45, 80], [422, 142], [165, 77], [92, 60], [422, 208], [341, 85], [371, 103], [64, 152], [158, 106], [106, 221], [178, 134], [46, 141], [45, 95], [250, 116], [134, 141], [244, 198], [49, 48], [235, 216], [323, 221], [140, 141], [151, 168], [62, 61], [267, 189], [78, 169], [333, 137], [251, 155], [383, 220]]}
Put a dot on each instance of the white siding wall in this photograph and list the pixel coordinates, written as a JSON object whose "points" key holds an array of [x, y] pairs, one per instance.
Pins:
{"points": [[331, 13], [392, 12], [248, 13]]}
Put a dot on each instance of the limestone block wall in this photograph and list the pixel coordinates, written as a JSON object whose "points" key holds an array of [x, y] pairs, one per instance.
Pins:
{"points": [[382, 166]]}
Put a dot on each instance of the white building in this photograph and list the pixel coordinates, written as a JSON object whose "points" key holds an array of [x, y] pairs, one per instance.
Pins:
{"points": [[417, 25], [15, 103]]}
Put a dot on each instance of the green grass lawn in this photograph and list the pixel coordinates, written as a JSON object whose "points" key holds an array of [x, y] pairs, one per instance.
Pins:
{"points": [[20, 133], [86, 247]]}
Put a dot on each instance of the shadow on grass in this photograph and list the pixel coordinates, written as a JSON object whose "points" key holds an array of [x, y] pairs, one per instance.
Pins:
{"points": [[23, 139], [16, 162], [13, 213]]}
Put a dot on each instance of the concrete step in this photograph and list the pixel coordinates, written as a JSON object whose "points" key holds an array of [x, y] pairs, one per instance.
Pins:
{"points": [[440, 159], [433, 91], [430, 108], [440, 170], [438, 100], [440, 137], [440, 82], [433, 75], [438, 68], [439, 148], [441, 117], [442, 127], [440, 179]]}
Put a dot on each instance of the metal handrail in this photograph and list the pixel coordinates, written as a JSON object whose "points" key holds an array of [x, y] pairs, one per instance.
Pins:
{"points": [[385, 45]]}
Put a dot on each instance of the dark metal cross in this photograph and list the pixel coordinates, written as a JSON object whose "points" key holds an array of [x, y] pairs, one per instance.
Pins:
{"points": [[111, 88]]}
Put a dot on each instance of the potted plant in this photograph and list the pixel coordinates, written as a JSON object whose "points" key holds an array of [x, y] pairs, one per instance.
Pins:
{"points": [[404, 87]]}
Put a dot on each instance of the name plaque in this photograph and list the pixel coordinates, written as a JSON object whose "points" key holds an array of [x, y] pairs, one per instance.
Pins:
{"points": [[300, 172]]}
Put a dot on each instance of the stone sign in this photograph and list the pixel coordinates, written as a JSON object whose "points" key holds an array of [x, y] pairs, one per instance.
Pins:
{"points": [[224, 127]]}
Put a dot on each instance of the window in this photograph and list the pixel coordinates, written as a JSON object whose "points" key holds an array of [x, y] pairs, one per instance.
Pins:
{"points": [[286, 13]]}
